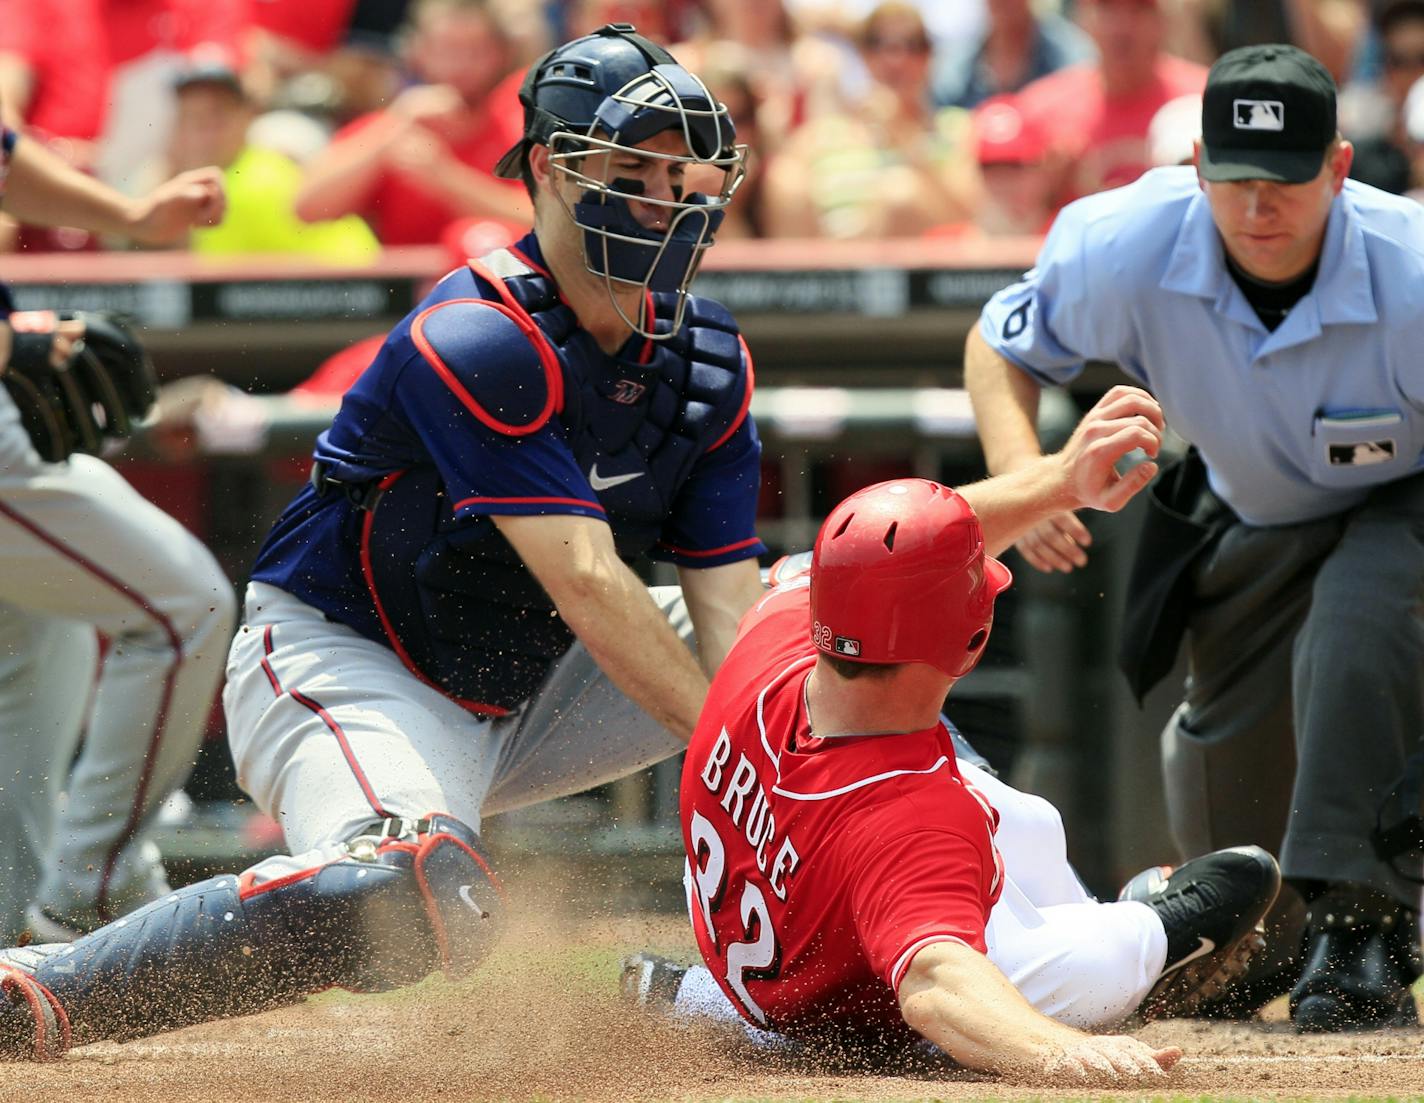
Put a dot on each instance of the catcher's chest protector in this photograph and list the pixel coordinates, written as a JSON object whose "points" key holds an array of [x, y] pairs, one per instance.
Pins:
{"points": [[466, 612]]}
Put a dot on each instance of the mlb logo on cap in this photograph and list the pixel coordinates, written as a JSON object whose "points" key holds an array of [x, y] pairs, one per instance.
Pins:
{"points": [[846, 646], [1268, 113], [1259, 114]]}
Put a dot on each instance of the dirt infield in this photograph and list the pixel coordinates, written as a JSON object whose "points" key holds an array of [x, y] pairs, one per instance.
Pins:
{"points": [[544, 1023]]}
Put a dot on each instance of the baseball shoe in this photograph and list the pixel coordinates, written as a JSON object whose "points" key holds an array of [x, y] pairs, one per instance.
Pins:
{"points": [[1144, 885], [33, 1024], [650, 982], [1362, 958], [1211, 909]]}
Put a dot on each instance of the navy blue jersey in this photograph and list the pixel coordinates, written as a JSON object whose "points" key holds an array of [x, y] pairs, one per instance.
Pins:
{"points": [[489, 399]]}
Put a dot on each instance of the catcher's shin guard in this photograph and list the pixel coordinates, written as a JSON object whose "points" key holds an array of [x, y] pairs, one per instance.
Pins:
{"points": [[381, 911]]}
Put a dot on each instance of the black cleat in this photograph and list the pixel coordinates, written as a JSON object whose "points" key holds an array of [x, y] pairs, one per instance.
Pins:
{"points": [[650, 982], [1211, 909], [1362, 958]]}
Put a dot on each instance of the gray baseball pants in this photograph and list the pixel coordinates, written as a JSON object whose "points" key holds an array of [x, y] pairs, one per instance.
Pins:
{"points": [[80, 551], [1306, 689], [329, 731]]}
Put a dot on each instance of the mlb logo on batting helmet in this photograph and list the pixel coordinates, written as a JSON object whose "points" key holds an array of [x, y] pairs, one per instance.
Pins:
{"points": [[846, 646], [1258, 114]]}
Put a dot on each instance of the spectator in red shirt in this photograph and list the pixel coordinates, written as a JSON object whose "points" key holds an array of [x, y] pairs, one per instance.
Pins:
{"points": [[428, 159], [1100, 110], [893, 167]]}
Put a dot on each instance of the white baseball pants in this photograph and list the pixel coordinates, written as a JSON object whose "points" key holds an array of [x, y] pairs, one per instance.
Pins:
{"points": [[1084, 963]]}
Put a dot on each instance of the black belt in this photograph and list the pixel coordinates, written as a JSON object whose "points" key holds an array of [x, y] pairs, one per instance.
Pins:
{"points": [[361, 495]]}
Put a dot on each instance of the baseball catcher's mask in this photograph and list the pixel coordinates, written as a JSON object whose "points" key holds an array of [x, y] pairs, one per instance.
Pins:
{"points": [[899, 575], [602, 96], [100, 393]]}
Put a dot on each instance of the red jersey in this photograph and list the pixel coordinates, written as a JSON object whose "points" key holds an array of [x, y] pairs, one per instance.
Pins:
{"points": [[66, 46], [1105, 137], [401, 210], [819, 867]]}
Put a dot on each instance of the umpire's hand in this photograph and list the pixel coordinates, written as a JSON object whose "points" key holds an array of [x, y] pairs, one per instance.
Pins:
{"points": [[1125, 420]]}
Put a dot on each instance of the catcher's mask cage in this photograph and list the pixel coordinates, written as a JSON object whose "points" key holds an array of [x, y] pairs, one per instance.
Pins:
{"points": [[660, 96]]}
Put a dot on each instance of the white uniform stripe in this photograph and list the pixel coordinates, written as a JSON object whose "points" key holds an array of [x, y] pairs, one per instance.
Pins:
{"points": [[862, 783], [902, 963], [761, 703]]}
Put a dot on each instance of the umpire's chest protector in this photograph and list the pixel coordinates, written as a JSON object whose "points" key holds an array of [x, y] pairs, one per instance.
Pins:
{"points": [[466, 614]]}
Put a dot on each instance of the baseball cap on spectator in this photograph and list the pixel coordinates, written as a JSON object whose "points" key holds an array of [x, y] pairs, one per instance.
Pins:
{"points": [[1268, 113], [209, 72], [1414, 112], [1173, 132], [1004, 135]]}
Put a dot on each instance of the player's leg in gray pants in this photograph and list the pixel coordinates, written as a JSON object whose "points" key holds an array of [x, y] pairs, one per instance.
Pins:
{"points": [[579, 730], [45, 667], [78, 544], [329, 730], [1305, 694]]}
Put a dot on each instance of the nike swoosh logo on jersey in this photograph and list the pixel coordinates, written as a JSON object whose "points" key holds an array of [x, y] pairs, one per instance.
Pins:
{"points": [[470, 900], [599, 482], [1205, 946]]}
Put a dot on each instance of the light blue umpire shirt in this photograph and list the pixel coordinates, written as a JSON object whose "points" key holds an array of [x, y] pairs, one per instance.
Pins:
{"points": [[1293, 425]]}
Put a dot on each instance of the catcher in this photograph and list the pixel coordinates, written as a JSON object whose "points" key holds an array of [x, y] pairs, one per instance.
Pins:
{"points": [[82, 554]]}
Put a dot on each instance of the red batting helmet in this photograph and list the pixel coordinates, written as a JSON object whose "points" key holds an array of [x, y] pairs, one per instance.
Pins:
{"points": [[899, 575]]}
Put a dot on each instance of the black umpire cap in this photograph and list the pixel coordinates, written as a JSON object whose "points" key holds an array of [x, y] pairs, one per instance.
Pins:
{"points": [[1268, 113]]}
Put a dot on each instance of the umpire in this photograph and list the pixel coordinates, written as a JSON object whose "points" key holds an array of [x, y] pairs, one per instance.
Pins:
{"points": [[1276, 310]]}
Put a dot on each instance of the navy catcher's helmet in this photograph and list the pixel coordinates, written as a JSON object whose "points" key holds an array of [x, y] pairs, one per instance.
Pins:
{"points": [[609, 91]]}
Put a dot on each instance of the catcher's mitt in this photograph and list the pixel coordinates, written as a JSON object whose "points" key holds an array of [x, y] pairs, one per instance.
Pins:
{"points": [[106, 385]]}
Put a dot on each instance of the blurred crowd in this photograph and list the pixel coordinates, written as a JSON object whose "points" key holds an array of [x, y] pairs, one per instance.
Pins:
{"points": [[346, 125]]}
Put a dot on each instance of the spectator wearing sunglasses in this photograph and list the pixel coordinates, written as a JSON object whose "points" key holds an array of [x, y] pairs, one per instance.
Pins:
{"points": [[893, 166], [1099, 112]]}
